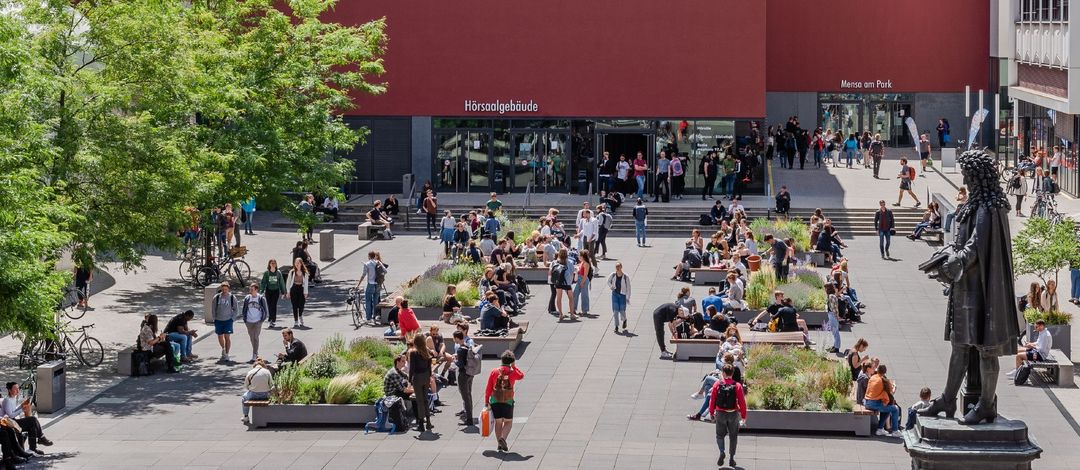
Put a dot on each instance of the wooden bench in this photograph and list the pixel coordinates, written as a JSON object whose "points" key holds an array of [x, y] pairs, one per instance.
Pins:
{"points": [[1058, 367], [368, 231], [708, 348], [707, 276], [257, 403], [870, 416]]}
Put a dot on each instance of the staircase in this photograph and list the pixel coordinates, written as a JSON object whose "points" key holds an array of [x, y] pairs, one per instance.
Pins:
{"points": [[664, 220]]}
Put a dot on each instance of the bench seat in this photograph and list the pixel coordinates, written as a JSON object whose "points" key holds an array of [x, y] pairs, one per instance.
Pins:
{"points": [[493, 345], [708, 276], [1059, 368], [368, 231]]}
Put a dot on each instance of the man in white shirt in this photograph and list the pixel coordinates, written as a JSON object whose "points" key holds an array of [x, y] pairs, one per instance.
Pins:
{"points": [[13, 409], [1038, 351], [736, 205], [588, 230]]}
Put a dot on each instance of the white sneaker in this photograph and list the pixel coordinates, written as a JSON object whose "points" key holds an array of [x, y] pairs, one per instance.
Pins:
{"points": [[1011, 374], [301, 321], [272, 324], [665, 355], [881, 432], [896, 434], [224, 357], [696, 396], [295, 324]]}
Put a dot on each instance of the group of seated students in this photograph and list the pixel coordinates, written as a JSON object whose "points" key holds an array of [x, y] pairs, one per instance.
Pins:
{"points": [[173, 344], [931, 219], [731, 353], [876, 392], [825, 238]]}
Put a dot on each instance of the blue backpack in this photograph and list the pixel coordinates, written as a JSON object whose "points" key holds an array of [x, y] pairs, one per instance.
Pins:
{"points": [[380, 424]]}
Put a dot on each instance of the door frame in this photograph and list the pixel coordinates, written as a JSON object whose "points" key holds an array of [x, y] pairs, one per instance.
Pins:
{"points": [[650, 150], [859, 112]]}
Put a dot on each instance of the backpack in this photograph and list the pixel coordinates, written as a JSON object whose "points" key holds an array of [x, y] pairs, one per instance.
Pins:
{"points": [[381, 416], [911, 172], [472, 360], [140, 363], [725, 398], [1054, 188], [705, 219], [380, 273], [1022, 373], [504, 389], [1015, 183], [558, 274]]}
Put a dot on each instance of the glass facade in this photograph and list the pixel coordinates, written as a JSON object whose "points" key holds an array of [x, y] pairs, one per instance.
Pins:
{"points": [[562, 155], [878, 113], [1044, 132]]}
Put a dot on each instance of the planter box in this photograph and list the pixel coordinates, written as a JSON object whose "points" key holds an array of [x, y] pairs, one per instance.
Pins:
{"points": [[810, 421], [336, 415], [538, 275], [1061, 335]]}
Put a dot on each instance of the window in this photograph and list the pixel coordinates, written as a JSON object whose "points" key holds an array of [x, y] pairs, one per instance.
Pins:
{"points": [[1044, 10]]}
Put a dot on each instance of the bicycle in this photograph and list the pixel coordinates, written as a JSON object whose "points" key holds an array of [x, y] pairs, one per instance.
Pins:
{"points": [[87, 349], [74, 303], [1046, 207], [233, 267], [353, 305]]}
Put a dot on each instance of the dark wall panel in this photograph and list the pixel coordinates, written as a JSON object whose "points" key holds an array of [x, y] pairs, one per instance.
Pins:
{"points": [[383, 158]]}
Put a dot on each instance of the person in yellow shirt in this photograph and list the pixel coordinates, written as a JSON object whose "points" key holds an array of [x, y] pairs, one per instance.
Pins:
{"points": [[879, 398]]}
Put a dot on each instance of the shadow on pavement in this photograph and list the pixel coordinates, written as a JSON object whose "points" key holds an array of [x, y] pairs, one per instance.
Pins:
{"points": [[507, 456]]}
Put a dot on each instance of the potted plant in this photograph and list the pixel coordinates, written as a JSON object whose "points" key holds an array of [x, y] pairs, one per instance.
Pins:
{"points": [[1057, 323]]}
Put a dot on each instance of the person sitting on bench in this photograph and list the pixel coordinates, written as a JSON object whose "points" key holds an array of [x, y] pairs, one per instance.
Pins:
{"points": [[20, 412], [1039, 351], [158, 344]]}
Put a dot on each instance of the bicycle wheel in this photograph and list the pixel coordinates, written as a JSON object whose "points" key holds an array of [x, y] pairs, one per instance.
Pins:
{"points": [[30, 350], [206, 275], [78, 308], [354, 311], [239, 271], [187, 270], [91, 353]]}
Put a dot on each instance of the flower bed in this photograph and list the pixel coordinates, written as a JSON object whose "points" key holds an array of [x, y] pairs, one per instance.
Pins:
{"points": [[337, 374], [804, 286], [796, 379], [783, 229], [429, 288]]}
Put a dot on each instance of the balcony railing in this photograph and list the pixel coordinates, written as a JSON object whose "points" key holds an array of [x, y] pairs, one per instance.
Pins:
{"points": [[1043, 43]]}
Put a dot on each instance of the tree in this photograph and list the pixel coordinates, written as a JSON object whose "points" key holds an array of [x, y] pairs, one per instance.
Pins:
{"points": [[1042, 247], [140, 108]]}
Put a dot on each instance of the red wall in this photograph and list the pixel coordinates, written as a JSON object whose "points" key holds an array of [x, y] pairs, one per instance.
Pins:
{"points": [[596, 58], [920, 45]]}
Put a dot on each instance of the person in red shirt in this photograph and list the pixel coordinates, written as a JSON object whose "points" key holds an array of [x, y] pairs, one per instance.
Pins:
{"points": [[499, 396], [407, 321], [729, 411], [640, 167]]}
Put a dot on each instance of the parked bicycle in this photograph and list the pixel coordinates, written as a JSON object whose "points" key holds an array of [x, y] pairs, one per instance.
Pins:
{"points": [[354, 304], [87, 349], [232, 268], [1045, 206]]}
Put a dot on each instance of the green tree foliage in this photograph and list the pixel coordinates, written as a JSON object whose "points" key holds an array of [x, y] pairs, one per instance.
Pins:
{"points": [[1042, 248], [119, 113]]}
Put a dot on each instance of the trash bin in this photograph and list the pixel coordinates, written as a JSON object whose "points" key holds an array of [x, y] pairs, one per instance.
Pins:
{"points": [[51, 387], [583, 183]]}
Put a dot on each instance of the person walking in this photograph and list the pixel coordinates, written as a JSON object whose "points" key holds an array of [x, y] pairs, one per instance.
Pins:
{"points": [[298, 291], [877, 151], [943, 131], [924, 150], [446, 231], [257, 385], [272, 286], [1018, 187], [641, 167], [584, 281], [254, 313], [499, 396], [851, 148], [465, 374], [248, 207], [885, 224], [907, 177], [225, 311], [563, 272], [420, 377], [619, 283], [431, 208], [604, 221], [663, 178], [670, 315], [641, 214], [729, 412], [708, 170], [678, 177], [622, 174]]}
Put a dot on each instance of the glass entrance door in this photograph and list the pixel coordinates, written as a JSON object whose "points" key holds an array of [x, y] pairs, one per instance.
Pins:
{"points": [[463, 160], [449, 149], [477, 164], [842, 117], [540, 159]]}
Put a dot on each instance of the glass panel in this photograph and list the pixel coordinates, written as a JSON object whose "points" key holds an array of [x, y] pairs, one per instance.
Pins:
{"points": [[461, 123], [448, 147], [842, 117], [502, 159], [556, 161], [625, 124], [478, 148], [539, 124]]}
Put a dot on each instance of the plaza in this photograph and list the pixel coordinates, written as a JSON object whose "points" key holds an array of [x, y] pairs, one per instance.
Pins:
{"points": [[590, 399]]}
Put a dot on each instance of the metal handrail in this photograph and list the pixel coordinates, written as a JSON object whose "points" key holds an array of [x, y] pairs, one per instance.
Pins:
{"points": [[528, 197]]}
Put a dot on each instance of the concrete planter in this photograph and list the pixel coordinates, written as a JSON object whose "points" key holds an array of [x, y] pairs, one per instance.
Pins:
{"points": [[334, 415], [809, 421], [1061, 334], [435, 313]]}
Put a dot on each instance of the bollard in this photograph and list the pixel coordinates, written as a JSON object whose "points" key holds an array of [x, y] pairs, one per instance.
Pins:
{"points": [[326, 245], [208, 303]]}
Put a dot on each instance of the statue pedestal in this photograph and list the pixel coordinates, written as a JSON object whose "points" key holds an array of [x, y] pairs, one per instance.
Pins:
{"points": [[944, 444]]}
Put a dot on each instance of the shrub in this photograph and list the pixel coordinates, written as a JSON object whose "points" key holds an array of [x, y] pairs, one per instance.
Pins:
{"points": [[782, 229], [468, 294], [321, 365], [286, 383], [829, 398], [311, 390], [461, 272], [370, 392], [1032, 315], [759, 290], [804, 297], [844, 404], [426, 293], [436, 270], [808, 276], [333, 345], [342, 389], [780, 396], [522, 227], [841, 379]]}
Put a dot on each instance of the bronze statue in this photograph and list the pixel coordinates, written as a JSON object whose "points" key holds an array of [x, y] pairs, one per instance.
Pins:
{"points": [[982, 321]]}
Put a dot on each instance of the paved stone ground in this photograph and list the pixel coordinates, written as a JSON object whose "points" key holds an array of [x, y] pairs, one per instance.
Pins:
{"points": [[590, 399]]}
